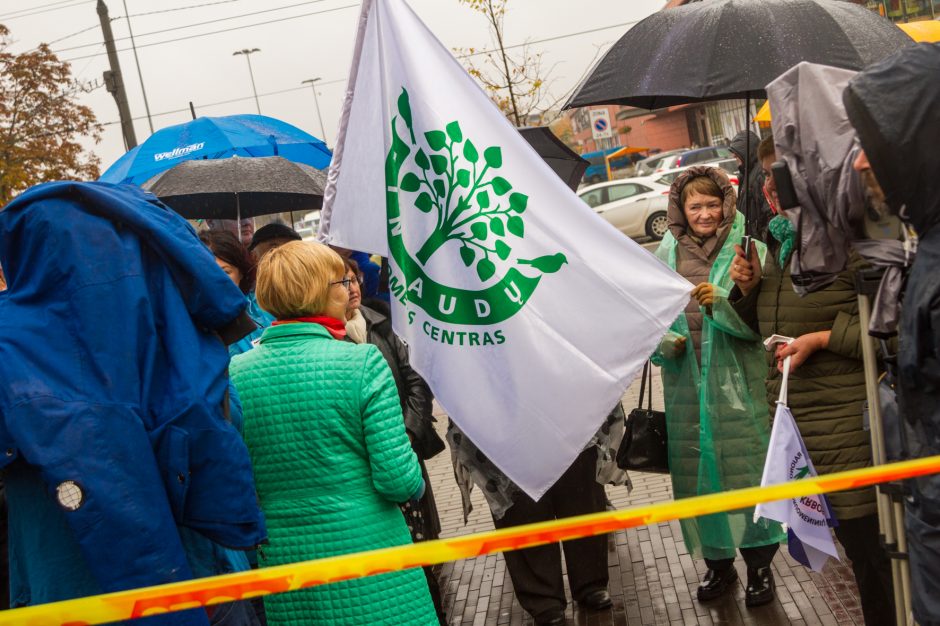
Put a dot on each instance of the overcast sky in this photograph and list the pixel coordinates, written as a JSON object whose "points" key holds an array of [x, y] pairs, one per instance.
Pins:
{"points": [[311, 39]]}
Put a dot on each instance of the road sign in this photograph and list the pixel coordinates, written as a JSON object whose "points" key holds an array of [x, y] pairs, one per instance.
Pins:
{"points": [[600, 124]]}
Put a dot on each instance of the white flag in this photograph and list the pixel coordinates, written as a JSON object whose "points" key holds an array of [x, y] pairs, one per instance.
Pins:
{"points": [[806, 519], [527, 314]]}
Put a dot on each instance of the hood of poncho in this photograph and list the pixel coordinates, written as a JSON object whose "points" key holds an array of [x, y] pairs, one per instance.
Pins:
{"points": [[893, 106]]}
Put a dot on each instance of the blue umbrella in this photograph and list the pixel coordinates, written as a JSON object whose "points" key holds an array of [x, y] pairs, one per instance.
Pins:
{"points": [[215, 138]]}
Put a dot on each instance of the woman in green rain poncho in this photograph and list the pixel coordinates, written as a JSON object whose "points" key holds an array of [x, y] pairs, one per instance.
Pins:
{"points": [[713, 375]]}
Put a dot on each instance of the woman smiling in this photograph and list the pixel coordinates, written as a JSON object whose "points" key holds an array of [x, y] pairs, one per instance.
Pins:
{"points": [[711, 360]]}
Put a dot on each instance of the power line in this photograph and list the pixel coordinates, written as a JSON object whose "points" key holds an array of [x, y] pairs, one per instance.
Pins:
{"points": [[40, 12], [226, 30], [186, 8], [547, 39], [331, 82], [27, 9], [78, 32], [79, 74], [231, 101], [121, 17], [34, 8], [194, 24]]}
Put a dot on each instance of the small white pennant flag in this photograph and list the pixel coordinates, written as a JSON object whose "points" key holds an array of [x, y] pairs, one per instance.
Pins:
{"points": [[807, 519], [527, 314]]}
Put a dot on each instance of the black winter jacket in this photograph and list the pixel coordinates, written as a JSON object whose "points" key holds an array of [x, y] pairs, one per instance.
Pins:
{"points": [[755, 207], [895, 107], [415, 395]]}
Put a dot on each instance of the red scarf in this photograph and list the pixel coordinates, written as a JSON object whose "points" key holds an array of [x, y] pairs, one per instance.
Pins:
{"points": [[336, 327]]}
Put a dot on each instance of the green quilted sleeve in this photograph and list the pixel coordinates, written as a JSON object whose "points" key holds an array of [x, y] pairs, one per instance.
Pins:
{"points": [[396, 474]]}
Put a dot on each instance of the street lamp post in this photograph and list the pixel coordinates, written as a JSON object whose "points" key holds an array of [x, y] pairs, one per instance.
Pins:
{"points": [[316, 102], [248, 52]]}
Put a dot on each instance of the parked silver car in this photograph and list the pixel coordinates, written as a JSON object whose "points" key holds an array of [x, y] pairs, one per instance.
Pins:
{"points": [[649, 165]]}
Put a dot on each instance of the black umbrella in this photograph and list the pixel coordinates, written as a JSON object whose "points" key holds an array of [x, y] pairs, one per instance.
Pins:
{"points": [[564, 161], [724, 49], [236, 188]]}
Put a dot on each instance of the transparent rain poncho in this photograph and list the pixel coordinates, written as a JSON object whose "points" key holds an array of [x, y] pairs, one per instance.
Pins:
{"points": [[716, 413]]}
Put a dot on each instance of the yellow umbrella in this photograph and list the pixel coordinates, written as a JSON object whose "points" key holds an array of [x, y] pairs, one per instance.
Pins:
{"points": [[927, 31], [763, 116]]}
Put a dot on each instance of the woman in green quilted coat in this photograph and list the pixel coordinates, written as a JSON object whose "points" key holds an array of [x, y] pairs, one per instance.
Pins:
{"points": [[331, 457], [713, 365]]}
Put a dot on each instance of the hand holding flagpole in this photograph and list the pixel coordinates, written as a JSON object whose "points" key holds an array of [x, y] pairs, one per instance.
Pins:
{"points": [[807, 519]]}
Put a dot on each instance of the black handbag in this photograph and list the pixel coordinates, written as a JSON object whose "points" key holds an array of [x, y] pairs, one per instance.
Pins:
{"points": [[645, 445]]}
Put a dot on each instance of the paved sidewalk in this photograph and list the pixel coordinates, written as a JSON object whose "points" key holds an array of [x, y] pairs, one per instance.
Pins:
{"points": [[652, 577]]}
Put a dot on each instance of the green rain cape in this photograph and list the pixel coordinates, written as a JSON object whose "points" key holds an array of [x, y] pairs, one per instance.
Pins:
{"points": [[716, 414]]}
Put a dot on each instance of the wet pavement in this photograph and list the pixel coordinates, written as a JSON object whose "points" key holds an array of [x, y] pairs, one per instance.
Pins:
{"points": [[652, 577]]}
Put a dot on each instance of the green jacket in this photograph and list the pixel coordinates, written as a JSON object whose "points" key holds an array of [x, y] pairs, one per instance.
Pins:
{"points": [[826, 393], [331, 458], [718, 429]]}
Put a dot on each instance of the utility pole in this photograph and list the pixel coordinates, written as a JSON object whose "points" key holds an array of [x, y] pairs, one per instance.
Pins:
{"points": [[137, 62], [248, 53], [316, 102], [113, 80]]}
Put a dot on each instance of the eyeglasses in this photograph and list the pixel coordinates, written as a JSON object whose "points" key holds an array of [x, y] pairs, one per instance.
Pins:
{"points": [[346, 282]]}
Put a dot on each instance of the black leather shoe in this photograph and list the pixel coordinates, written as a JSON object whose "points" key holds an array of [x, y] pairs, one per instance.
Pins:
{"points": [[597, 600], [760, 587], [716, 583], [551, 618]]}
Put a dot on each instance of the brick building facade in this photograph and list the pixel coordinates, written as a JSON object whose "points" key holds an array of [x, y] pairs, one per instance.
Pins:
{"points": [[664, 129]]}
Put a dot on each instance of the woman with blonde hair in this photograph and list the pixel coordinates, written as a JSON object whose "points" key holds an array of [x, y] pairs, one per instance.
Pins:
{"points": [[327, 440]]}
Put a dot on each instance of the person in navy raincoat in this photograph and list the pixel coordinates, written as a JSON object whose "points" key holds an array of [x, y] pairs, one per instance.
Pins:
{"points": [[113, 394]]}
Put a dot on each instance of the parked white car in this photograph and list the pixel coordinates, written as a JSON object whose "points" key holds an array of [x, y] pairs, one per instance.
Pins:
{"points": [[730, 166], [635, 208]]}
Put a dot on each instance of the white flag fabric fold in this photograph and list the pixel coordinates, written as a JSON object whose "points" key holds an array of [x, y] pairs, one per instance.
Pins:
{"points": [[527, 314], [807, 519]]}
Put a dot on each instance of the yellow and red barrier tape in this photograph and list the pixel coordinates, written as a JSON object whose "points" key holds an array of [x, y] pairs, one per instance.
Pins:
{"points": [[124, 605]]}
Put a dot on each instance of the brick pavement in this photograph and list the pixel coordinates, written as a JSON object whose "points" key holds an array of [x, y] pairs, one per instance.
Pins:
{"points": [[652, 577]]}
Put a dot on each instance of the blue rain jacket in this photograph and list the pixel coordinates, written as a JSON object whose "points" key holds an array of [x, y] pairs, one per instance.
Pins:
{"points": [[260, 317], [112, 379]]}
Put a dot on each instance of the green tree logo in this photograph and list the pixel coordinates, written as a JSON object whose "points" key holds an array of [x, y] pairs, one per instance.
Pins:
{"points": [[448, 178], [471, 202]]}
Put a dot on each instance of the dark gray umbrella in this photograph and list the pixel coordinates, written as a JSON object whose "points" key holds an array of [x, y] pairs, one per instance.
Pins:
{"points": [[564, 161], [235, 188], [723, 49]]}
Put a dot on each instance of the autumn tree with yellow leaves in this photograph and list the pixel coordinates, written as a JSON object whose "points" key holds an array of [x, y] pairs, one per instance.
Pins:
{"points": [[41, 121], [512, 75]]}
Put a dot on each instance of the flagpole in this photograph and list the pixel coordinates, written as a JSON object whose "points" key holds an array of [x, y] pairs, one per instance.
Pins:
{"points": [[329, 194]]}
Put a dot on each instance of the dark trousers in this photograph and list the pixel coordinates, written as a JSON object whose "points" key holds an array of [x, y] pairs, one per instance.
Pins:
{"points": [[434, 586], [872, 568], [536, 572], [754, 558]]}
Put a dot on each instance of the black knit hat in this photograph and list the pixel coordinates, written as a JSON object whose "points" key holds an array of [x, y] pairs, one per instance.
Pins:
{"points": [[273, 231]]}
